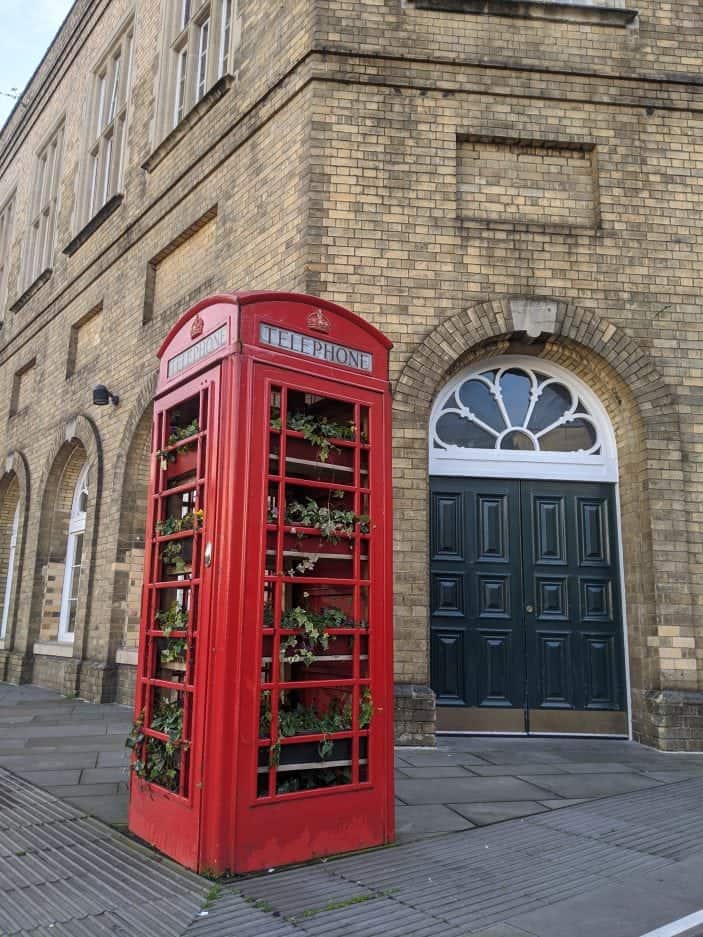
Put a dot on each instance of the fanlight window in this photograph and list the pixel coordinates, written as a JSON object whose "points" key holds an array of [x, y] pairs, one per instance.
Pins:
{"points": [[515, 409]]}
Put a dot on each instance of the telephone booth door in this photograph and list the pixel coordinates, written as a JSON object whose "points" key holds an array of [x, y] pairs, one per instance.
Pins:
{"points": [[315, 651], [176, 620]]}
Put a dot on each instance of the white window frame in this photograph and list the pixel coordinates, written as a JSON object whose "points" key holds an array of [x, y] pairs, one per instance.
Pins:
{"points": [[7, 597], [107, 124], [76, 530], [501, 463], [7, 227], [200, 39], [41, 235]]}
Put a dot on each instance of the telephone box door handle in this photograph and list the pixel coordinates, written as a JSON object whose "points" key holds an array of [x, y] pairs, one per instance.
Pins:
{"points": [[208, 554]]}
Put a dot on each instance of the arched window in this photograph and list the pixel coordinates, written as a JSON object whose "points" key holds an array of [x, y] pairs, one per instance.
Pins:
{"points": [[9, 571], [74, 556], [521, 417]]}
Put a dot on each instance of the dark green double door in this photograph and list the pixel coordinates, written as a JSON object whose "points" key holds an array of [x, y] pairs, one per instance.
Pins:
{"points": [[526, 623]]}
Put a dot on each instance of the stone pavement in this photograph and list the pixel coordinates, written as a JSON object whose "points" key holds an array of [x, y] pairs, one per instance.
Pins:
{"points": [[76, 751], [615, 867], [611, 866]]}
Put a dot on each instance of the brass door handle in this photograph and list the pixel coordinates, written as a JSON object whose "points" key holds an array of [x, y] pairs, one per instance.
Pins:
{"points": [[529, 609], [208, 555]]}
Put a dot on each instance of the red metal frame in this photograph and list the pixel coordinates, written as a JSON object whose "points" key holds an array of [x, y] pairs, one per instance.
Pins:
{"points": [[249, 793]]}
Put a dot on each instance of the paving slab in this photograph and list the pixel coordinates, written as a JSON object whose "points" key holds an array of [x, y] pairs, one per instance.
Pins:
{"points": [[488, 771], [501, 930], [50, 778], [41, 761], [482, 814], [84, 790], [559, 804], [613, 910], [470, 790], [592, 767], [671, 777], [438, 771], [429, 757], [105, 775], [414, 821], [110, 808], [589, 785], [114, 759]]}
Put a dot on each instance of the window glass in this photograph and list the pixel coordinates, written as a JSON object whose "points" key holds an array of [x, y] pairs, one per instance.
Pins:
{"points": [[74, 557], [478, 398], [515, 409], [199, 53], [107, 126]]}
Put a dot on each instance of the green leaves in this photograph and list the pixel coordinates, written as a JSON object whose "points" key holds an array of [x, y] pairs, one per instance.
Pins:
{"points": [[172, 555], [175, 651], [183, 432], [318, 431], [313, 639], [158, 761], [334, 523], [193, 520], [173, 618]]}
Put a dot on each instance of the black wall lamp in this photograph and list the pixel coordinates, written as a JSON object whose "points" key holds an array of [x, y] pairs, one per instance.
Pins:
{"points": [[102, 396]]}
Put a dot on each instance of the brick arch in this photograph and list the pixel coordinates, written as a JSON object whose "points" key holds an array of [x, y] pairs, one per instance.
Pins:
{"points": [[489, 321], [643, 410], [75, 443], [142, 405], [14, 491]]}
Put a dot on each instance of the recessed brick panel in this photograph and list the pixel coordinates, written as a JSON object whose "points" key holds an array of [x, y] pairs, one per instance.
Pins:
{"points": [[528, 182]]}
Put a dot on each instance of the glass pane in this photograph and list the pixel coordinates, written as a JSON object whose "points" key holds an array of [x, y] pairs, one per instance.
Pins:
{"points": [[202, 59], [454, 430], [517, 442], [515, 388], [553, 402], [478, 398], [569, 438], [77, 566], [112, 110]]}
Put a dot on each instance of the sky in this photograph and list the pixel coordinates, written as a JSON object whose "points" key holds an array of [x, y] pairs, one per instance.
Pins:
{"points": [[28, 26]]}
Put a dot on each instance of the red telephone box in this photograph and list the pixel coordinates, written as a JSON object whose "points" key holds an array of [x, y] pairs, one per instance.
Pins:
{"points": [[264, 705]]}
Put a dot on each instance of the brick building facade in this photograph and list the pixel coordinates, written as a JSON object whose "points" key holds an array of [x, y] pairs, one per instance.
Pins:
{"points": [[480, 179]]}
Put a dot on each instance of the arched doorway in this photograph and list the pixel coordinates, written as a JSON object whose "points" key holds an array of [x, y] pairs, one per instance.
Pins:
{"points": [[526, 612]]}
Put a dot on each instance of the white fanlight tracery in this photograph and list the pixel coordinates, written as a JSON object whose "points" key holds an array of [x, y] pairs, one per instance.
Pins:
{"points": [[521, 417]]}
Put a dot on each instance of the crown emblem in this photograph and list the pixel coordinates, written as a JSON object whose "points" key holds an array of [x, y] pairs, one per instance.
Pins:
{"points": [[196, 327], [318, 320]]}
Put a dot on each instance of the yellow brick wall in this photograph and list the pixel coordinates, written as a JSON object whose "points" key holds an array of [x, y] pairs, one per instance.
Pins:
{"points": [[420, 168]]}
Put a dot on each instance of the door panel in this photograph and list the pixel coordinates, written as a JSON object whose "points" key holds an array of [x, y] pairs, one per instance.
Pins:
{"points": [[573, 646], [525, 607], [476, 658]]}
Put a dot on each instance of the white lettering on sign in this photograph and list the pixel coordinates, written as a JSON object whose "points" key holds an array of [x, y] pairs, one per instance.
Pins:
{"points": [[199, 350], [315, 347]]}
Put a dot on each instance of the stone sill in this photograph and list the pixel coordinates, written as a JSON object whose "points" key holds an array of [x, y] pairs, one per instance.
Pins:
{"points": [[110, 206], [560, 11], [127, 655], [54, 648], [33, 288], [194, 116]]}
